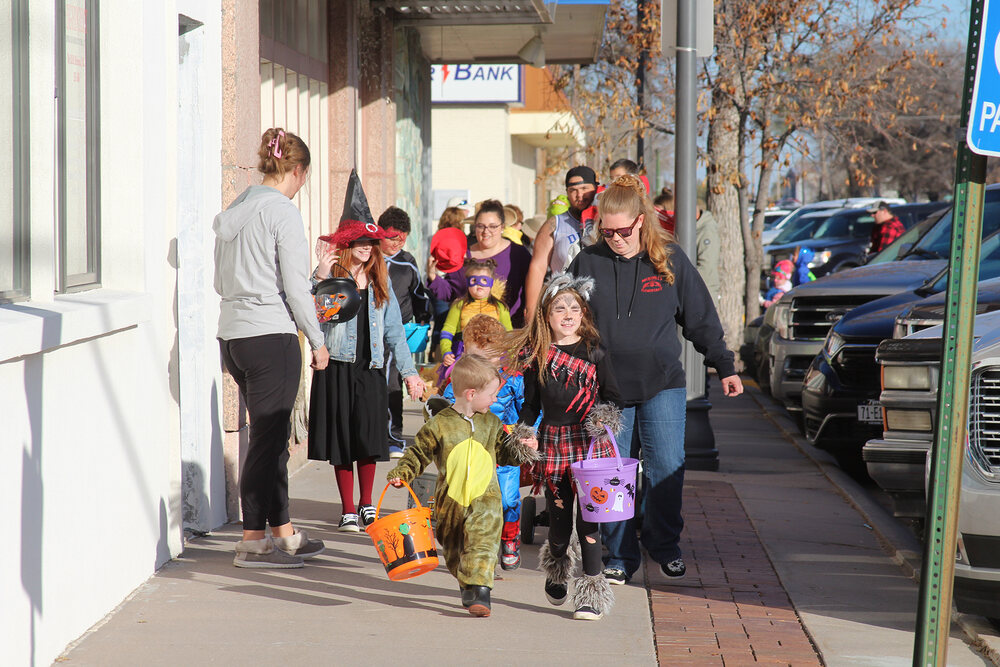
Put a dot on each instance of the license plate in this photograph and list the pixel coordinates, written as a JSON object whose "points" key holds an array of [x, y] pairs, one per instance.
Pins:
{"points": [[870, 412]]}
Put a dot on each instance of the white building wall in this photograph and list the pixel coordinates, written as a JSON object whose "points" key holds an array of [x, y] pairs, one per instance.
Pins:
{"points": [[522, 176], [90, 440], [472, 151]]}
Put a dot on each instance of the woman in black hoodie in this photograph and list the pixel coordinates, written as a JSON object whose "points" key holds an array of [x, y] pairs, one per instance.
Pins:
{"points": [[645, 288]]}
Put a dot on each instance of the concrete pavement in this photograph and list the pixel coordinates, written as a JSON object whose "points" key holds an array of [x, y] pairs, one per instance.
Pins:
{"points": [[783, 569]]}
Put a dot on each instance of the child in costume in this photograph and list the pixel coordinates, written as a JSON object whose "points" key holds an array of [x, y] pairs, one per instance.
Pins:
{"points": [[478, 300], [803, 274], [568, 376], [483, 336], [466, 442], [781, 282]]}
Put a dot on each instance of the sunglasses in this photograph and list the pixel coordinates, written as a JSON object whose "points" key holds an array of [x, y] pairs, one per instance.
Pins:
{"points": [[482, 281], [623, 232]]}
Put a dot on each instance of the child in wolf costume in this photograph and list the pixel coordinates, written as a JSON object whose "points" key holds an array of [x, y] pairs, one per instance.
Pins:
{"points": [[466, 442], [568, 377]]}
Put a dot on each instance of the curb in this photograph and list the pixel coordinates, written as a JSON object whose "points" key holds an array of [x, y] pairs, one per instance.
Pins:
{"points": [[896, 540]]}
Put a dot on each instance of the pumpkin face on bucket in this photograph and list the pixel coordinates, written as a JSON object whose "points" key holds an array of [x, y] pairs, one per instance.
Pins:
{"points": [[598, 495]]}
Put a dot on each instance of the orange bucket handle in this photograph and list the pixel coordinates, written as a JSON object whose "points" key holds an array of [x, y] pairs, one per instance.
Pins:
{"points": [[378, 508]]}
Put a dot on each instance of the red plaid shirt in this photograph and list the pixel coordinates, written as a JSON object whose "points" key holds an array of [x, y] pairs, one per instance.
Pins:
{"points": [[885, 233]]}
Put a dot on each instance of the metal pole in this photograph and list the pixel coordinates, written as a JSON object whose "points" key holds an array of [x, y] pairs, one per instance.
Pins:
{"points": [[641, 12], [699, 440], [938, 571]]}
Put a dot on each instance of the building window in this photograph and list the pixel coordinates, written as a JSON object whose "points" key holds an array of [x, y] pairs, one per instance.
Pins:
{"points": [[78, 146], [14, 258]]}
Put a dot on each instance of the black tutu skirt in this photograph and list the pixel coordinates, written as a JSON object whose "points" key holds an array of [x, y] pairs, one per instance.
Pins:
{"points": [[349, 407]]}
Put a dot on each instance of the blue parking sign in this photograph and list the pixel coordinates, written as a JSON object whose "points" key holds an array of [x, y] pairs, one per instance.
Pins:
{"points": [[983, 134]]}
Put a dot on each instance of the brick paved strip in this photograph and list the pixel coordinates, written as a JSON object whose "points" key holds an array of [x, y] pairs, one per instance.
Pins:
{"points": [[730, 609]]}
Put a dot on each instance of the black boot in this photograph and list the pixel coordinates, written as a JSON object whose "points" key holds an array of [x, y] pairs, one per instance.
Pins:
{"points": [[558, 571], [477, 600]]}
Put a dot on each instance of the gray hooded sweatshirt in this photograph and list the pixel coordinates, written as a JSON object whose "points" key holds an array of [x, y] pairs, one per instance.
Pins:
{"points": [[262, 268]]}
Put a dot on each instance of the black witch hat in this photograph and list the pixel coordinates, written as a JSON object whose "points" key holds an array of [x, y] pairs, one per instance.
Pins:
{"points": [[355, 202]]}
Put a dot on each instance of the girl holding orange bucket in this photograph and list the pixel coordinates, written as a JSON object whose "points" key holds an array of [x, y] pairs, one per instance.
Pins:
{"points": [[568, 378], [466, 442]]}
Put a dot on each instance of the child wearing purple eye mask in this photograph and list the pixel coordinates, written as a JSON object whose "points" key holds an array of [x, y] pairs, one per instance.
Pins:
{"points": [[480, 299]]}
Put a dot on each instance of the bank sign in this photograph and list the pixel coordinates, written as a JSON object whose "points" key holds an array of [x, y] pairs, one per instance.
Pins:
{"points": [[476, 84], [983, 134]]}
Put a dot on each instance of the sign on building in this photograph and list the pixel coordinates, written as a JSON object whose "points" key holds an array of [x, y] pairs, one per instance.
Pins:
{"points": [[476, 84], [983, 135]]}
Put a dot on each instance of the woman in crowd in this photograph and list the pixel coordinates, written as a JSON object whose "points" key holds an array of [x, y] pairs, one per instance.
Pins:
{"points": [[350, 400], [262, 276], [512, 262], [448, 247], [645, 287]]}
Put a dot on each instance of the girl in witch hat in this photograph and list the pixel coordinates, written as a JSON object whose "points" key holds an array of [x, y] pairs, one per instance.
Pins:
{"points": [[349, 403]]}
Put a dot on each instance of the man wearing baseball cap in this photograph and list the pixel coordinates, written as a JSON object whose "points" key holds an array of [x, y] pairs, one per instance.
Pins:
{"points": [[560, 238], [887, 227]]}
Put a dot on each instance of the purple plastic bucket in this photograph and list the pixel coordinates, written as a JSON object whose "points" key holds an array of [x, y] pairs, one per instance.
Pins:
{"points": [[605, 487]]}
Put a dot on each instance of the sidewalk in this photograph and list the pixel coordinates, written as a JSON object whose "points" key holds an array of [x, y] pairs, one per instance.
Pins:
{"points": [[782, 569]]}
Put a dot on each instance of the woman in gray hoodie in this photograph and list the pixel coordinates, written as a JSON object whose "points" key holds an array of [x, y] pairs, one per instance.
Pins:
{"points": [[262, 275]]}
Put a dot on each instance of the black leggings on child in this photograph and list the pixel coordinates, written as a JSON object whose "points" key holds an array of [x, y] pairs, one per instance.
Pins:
{"points": [[560, 506]]}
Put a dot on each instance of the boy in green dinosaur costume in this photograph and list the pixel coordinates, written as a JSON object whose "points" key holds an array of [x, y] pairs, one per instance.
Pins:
{"points": [[466, 442]]}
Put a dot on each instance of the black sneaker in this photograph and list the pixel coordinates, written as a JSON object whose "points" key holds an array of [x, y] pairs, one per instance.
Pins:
{"points": [[366, 514], [615, 576], [556, 593], [348, 524], [675, 569], [585, 613]]}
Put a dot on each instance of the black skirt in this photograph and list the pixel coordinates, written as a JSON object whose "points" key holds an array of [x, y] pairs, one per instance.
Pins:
{"points": [[349, 406]]}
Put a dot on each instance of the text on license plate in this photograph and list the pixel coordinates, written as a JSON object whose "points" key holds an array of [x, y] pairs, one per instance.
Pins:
{"points": [[870, 412]]}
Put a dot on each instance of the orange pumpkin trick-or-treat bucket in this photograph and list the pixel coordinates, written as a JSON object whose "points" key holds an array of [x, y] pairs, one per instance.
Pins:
{"points": [[404, 540]]}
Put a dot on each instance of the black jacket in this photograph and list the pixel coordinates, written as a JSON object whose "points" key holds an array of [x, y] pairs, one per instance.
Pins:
{"points": [[414, 302], [637, 314]]}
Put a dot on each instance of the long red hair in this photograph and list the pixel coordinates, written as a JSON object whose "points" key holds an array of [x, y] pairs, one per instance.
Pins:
{"points": [[375, 268]]}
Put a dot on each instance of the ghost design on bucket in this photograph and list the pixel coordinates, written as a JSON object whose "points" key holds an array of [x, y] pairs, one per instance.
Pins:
{"points": [[619, 502]]}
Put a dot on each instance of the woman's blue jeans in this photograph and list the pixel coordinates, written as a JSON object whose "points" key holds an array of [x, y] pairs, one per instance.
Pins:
{"points": [[657, 428]]}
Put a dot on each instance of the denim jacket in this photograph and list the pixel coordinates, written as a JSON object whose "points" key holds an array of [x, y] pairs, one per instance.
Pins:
{"points": [[386, 329]]}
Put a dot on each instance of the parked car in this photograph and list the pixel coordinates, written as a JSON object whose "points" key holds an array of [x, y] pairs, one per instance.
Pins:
{"points": [[843, 239], [901, 246], [910, 378], [773, 216], [895, 460], [808, 311], [840, 391], [767, 238]]}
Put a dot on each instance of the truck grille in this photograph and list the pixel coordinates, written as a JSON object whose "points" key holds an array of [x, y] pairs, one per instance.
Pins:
{"points": [[812, 316], [856, 366], [984, 419]]}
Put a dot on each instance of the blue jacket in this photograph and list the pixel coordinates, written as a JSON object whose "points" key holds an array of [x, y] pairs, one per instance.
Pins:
{"points": [[385, 327]]}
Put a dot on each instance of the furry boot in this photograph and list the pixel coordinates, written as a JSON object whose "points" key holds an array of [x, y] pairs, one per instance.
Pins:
{"points": [[592, 597], [558, 572]]}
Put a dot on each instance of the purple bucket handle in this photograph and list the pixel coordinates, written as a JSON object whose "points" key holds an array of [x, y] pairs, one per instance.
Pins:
{"points": [[593, 443]]}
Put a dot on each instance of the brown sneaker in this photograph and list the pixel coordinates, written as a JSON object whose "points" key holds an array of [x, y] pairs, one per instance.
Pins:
{"points": [[300, 545], [262, 554]]}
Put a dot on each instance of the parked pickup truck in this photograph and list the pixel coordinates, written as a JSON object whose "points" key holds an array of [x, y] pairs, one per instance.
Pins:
{"points": [[909, 366], [841, 388], [808, 311], [900, 458]]}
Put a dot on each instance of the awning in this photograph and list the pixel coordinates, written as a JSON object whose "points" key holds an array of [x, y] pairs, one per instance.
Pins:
{"points": [[572, 39], [546, 129], [468, 12]]}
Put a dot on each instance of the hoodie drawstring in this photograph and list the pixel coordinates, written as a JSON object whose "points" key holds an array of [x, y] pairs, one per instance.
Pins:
{"points": [[635, 284]]}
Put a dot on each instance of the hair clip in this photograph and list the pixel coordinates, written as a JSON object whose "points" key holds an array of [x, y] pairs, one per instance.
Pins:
{"points": [[275, 146]]}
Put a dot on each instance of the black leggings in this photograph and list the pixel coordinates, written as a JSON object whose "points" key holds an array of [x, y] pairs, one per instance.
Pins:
{"points": [[266, 369], [561, 526]]}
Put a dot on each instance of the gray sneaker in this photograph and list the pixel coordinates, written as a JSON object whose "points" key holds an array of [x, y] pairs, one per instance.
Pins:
{"points": [[300, 545], [263, 555]]}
